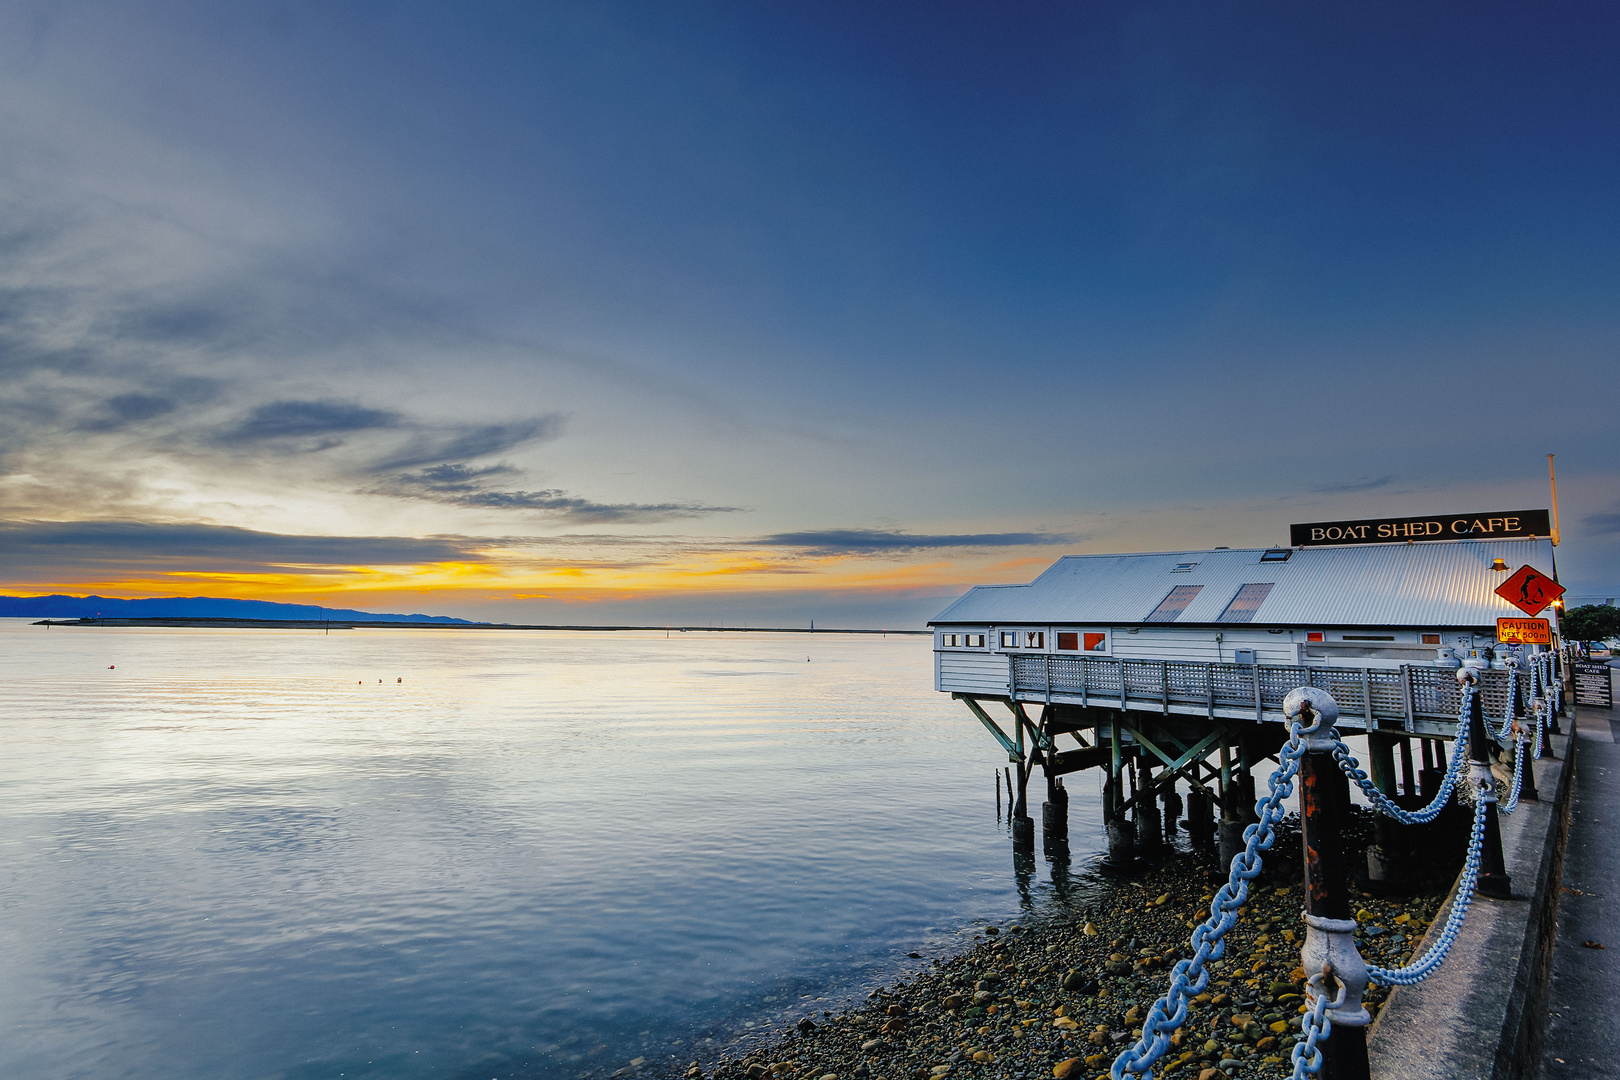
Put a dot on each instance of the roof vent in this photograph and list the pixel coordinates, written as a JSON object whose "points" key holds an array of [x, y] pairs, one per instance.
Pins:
{"points": [[1277, 555]]}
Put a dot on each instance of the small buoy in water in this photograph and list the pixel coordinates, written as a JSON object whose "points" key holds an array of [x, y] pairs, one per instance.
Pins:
{"points": [[399, 680], [111, 666]]}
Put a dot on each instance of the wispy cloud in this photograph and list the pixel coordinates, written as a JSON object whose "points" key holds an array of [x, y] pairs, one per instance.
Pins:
{"points": [[301, 419], [459, 484], [882, 541], [1602, 524], [446, 446], [1350, 486]]}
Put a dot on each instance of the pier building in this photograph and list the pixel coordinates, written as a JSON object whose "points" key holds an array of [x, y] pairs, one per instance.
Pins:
{"points": [[1170, 668]]}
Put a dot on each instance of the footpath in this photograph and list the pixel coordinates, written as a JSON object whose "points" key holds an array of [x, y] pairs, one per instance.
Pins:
{"points": [[1583, 1024]]}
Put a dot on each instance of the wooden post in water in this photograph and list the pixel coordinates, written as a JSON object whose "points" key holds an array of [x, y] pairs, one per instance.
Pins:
{"points": [[1121, 842], [1384, 864], [1230, 828], [1149, 832], [1200, 818], [1023, 828], [1407, 780], [1172, 809], [1429, 778], [1055, 818]]}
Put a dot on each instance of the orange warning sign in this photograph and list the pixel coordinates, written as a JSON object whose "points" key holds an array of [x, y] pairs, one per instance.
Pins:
{"points": [[1529, 590], [1524, 631]]}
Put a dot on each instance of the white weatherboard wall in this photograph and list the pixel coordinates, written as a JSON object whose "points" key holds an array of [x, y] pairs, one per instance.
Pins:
{"points": [[1166, 643], [971, 672]]}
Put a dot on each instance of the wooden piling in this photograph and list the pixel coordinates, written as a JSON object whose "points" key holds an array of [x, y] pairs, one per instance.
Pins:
{"points": [[1385, 867]]}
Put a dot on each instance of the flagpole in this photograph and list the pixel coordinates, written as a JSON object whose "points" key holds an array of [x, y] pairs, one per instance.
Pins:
{"points": [[1552, 478]]}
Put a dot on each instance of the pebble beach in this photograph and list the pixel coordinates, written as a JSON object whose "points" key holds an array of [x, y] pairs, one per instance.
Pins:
{"points": [[1060, 994]]}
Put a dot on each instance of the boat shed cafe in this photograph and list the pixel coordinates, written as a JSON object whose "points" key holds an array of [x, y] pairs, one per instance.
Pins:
{"points": [[1170, 656]]}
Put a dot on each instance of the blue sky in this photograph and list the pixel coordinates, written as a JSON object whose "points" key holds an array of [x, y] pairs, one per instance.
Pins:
{"points": [[720, 310]]}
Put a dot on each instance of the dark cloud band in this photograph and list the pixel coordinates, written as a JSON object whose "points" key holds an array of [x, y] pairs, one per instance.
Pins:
{"points": [[878, 541], [126, 547]]}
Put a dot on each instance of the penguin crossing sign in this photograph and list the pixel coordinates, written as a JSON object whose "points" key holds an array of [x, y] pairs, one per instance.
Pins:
{"points": [[1529, 590]]}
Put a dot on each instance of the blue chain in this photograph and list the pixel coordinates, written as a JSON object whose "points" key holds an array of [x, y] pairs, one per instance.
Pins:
{"points": [[1188, 978], [1423, 967], [1315, 1028], [1512, 802], [1352, 768], [1540, 702], [1555, 688], [1512, 695]]}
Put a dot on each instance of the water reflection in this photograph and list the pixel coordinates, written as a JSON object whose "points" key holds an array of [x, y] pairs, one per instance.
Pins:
{"points": [[541, 855]]}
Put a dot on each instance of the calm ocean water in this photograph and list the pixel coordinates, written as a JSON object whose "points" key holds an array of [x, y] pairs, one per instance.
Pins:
{"points": [[256, 854]]}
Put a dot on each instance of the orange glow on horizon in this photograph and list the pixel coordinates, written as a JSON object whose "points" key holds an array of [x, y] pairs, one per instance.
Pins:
{"points": [[509, 578]]}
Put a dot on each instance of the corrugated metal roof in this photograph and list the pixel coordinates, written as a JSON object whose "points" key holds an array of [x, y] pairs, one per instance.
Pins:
{"points": [[1418, 585]]}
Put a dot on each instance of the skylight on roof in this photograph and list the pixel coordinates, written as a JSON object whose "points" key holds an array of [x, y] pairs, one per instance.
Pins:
{"points": [[1246, 602], [1171, 607], [1183, 567]]}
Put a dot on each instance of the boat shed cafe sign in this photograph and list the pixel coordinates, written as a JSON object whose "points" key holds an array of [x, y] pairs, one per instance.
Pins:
{"points": [[1498, 525]]}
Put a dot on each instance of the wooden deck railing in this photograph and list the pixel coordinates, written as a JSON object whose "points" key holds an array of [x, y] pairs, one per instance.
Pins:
{"points": [[1406, 694]]}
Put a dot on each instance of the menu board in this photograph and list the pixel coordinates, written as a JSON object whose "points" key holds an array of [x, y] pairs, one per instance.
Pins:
{"points": [[1593, 684]]}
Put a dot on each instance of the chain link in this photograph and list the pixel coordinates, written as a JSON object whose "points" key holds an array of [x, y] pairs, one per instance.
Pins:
{"points": [[1555, 686], [1496, 732], [1519, 754], [1352, 768], [1541, 701], [1315, 1028], [1424, 966], [1189, 978]]}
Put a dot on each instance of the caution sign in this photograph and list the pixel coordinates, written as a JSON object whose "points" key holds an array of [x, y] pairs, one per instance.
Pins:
{"points": [[1524, 631], [1529, 590], [1594, 685]]}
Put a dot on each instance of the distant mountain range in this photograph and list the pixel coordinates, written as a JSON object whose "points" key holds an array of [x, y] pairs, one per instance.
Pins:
{"points": [[190, 607]]}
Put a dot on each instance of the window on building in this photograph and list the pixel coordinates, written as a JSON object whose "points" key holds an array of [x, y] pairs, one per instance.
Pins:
{"points": [[1183, 568], [1171, 607], [1246, 602], [1277, 555], [1034, 639], [1431, 639], [1313, 635], [1009, 639], [1076, 641], [950, 641]]}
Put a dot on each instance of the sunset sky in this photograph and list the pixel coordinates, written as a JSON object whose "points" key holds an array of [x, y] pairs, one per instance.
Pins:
{"points": [[771, 311]]}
